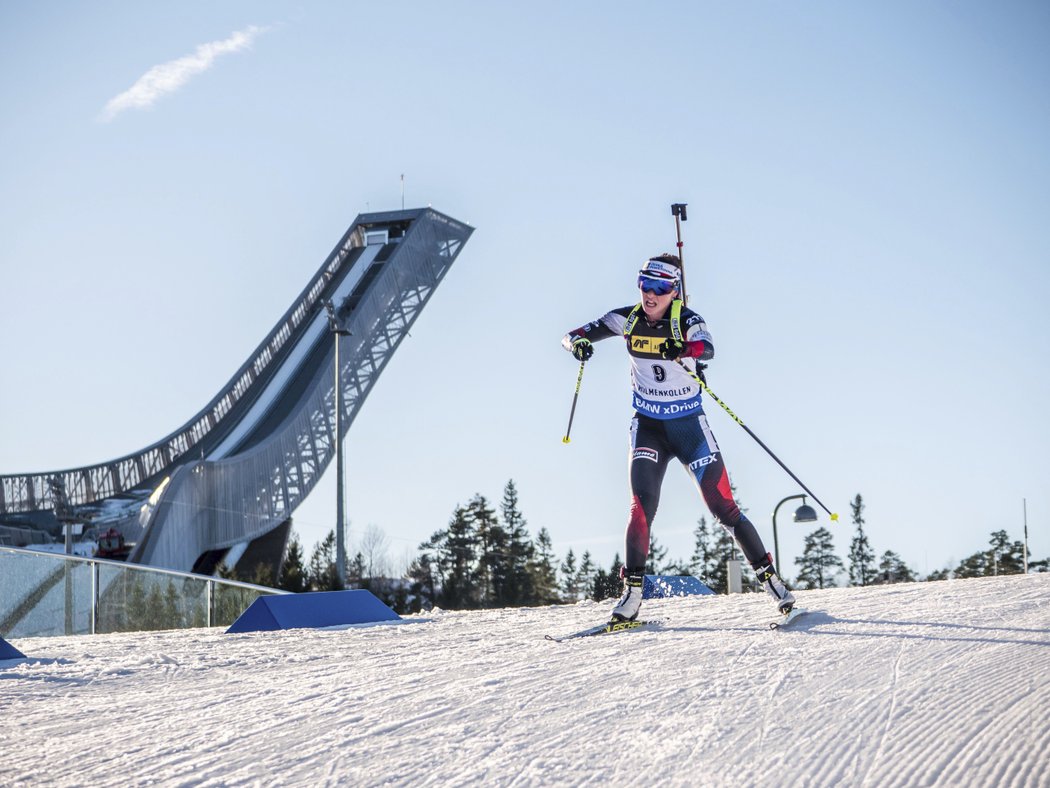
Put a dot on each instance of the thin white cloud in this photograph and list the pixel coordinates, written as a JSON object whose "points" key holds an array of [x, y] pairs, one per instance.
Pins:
{"points": [[169, 77]]}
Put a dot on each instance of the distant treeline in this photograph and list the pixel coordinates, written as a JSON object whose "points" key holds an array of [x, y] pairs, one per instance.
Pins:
{"points": [[485, 559]]}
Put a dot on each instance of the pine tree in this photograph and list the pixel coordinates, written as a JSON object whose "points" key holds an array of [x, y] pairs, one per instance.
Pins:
{"points": [[155, 616], [616, 576], [491, 539], [544, 576], [585, 575], [520, 589], [172, 607], [892, 569], [656, 561], [1008, 557], [324, 576], [294, 576], [701, 563], [818, 560], [599, 583], [607, 585], [262, 575], [570, 592], [225, 572], [1003, 558], [356, 572], [137, 617], [723, 552], [455, 550], [677, 568], [976, 565], [861, 556], [422, 586]]}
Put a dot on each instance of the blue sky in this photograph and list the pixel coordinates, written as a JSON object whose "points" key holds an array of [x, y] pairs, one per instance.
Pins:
{"points": [[868, 188]]}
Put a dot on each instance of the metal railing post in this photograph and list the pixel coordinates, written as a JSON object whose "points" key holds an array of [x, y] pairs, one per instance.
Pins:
{"points": [[67, 584], [94, 597]]}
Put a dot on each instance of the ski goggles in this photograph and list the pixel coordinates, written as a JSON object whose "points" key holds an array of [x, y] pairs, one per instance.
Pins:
{"points": [[657, 286]]}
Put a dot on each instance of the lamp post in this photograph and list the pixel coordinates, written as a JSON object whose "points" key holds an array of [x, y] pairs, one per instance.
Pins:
{"points": [[340, 528], [1024, 503], [803, 514]]}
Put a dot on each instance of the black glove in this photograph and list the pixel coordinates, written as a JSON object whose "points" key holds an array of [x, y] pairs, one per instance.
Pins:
{"points": [[671, 349], [582, 349]]}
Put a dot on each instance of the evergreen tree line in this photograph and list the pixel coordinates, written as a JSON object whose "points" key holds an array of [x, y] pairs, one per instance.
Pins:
{"points": [[820, 566], [485, 559], [367, 568]]}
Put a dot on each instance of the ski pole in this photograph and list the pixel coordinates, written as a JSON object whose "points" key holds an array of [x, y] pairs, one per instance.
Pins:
{"points": [[734, 417], [576, 396], [678, 210]]}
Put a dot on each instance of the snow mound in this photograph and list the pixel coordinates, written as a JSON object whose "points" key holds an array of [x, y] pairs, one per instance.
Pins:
{"points": [[922, 684]]}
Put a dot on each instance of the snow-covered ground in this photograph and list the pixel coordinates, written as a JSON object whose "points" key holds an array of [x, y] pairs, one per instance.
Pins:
{"points": [[83, 549], [942, 683]]}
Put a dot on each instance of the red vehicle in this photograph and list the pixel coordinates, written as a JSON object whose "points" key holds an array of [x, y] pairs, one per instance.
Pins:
{"points": [[111, 545]]}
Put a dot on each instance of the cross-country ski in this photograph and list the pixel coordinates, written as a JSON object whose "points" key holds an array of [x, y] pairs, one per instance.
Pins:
{"points": [[786, 620], [610, 628]]}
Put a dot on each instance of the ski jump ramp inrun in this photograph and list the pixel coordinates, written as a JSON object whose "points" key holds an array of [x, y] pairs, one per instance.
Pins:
{"points": [[238, 469]]}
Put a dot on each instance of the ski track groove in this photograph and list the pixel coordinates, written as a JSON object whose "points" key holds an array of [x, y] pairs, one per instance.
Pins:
{"points": [[889, 719], [971, 743], [776, 683], [983, 750]]}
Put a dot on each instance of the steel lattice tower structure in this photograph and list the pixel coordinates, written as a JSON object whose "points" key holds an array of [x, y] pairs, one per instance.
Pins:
{"points": [[237, 470]]}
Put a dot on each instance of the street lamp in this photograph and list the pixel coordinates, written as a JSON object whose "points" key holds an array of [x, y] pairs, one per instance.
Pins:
{"points": [[803, 514], [340, 528]]}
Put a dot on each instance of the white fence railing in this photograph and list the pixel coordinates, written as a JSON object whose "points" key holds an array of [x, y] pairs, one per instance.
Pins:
{"points": [[46, 594]]}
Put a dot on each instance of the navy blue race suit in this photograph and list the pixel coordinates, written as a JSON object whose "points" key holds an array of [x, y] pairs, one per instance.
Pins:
{"points": [[669, 422]]}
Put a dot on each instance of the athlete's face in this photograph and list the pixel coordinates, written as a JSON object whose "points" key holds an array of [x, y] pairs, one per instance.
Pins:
{"points": [[655, 305]]}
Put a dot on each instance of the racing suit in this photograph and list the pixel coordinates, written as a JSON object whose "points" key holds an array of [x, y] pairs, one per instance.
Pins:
{"points": [[669, 420]]}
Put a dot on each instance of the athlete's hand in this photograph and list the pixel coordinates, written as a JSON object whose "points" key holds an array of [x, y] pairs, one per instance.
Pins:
{"points": [[582, 349], [671, 349]]}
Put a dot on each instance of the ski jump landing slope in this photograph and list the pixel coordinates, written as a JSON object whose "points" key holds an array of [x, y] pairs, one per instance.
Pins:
{"points": [[238, 469], [925, 684]]}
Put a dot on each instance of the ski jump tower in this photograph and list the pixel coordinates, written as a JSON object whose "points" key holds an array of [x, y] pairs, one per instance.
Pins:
{"points": [[224, 485]]}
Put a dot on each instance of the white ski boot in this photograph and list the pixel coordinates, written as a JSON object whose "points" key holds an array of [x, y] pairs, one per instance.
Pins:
{"points": [[770, 580], [631, 601]]}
